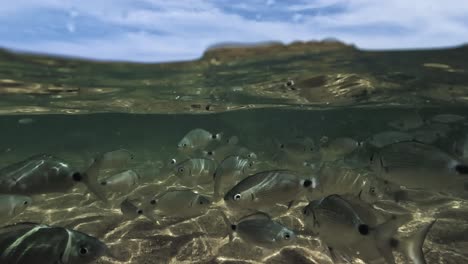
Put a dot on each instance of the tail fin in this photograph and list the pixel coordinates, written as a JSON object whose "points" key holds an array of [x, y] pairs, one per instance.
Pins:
{"points": [[90, 179], [217, 186], [384, 236], [130, 210], [231, 227], [412, 246]]}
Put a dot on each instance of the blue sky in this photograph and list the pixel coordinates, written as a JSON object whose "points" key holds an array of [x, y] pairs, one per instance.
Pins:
{"points": [[173, 30]]}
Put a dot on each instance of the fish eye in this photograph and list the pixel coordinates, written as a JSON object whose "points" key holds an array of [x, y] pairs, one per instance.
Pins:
{"points": [[184, 145], [25, 202], [290, 83], [153, 202], [173, 161], [140, 212], [281, 146], [200, 202], [210, 153], [83, 251], [181, 169], [372, 190], [286, 236], [77, 176], [237, 196], [251, 164]]}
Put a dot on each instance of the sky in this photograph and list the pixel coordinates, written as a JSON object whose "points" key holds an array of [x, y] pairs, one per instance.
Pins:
{"points": [[175, 30]]}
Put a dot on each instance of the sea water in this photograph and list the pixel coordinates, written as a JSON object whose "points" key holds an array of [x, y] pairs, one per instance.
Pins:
{"points": [[76, 109]]}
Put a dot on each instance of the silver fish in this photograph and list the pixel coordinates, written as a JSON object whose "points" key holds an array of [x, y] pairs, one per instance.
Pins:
{"points": [[12, 205], [179, 203], [229, 172], [45, 173], [223, 151], [407, 122], [420, 166], [304, 165], [29, 243], [131, 210], [431, 133], [358, 159], [116, 159], [175, 159], [196, 171], [338, 148], [122, 182], [335, 213], [384, 138], [197, 139], [339, 180], [298, 148], [447, 118], [25, 121], [425, 136], [230, 148], [260, 230], [268, 188], [344, 227]]}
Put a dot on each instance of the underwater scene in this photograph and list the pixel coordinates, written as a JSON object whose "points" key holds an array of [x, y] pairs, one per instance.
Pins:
{"points": [[312, 152]]}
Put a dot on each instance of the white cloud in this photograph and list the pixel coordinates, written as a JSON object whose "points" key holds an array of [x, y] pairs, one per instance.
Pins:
{"points": [[71, 27], [132, 46], [315, 4], [297, 17], [188, 27], [73, 13]]}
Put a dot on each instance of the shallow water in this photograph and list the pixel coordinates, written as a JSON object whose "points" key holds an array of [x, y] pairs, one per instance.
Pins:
{"points": [[76, 109]]}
